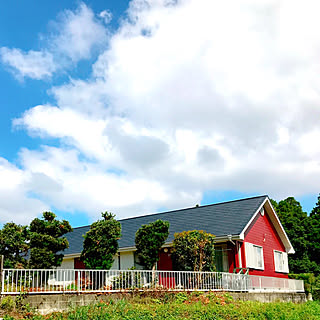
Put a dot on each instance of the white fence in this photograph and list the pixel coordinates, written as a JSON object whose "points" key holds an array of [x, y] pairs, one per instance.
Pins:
{"points": [[15, 281]]}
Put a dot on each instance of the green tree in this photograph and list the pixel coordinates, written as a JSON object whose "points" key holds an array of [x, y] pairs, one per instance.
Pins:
{"points": [[314, 235], [47, 241], [193, 251], [297, 226], [101, 242], [13, 245], [149, 240]]}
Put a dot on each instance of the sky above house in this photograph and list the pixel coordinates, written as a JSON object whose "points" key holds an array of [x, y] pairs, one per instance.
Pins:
{"points": [[142, 106]]}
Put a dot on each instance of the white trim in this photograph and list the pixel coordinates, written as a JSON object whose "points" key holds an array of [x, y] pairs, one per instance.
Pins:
{"points": [[284, 237], [252, 218], [71, 255], [239, 254], [262, 257], [276, 223]]}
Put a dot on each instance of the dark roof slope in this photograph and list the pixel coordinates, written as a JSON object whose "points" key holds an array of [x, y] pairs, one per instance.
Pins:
{"points": [[219, 219]]}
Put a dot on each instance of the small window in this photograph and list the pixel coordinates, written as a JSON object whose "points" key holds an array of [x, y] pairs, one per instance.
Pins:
{"points": [[281, 261], [254, 256], [258, 257]]}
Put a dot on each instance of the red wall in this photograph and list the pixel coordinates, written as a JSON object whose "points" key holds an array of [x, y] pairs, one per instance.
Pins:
{"points": [[262, 233], [78, 264], [165, 262]]}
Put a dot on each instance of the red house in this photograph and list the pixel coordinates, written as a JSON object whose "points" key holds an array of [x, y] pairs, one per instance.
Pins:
{"points": [[249, 237]]}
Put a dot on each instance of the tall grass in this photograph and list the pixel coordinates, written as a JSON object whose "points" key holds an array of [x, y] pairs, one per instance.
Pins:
{"points": [[182, 306]]}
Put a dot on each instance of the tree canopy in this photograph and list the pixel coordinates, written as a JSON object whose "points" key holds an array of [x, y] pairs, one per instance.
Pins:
{"points": [[193, 251], [46, 241], [149, 240], [314, 235], [303, 232], [101, 242], [13, 245]]}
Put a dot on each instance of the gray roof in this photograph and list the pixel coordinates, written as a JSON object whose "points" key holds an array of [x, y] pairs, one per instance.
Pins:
{"points": [[220, 219]]}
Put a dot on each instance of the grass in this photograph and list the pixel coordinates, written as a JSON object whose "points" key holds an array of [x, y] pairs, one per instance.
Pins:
{"points": [[185, 306]]}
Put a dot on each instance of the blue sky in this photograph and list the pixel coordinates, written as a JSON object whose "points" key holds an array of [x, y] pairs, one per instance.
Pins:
{"points": [[148, 105]]}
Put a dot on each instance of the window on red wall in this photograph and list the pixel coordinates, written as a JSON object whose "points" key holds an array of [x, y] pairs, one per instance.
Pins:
{"points": [[280, 261], [254, 256]]}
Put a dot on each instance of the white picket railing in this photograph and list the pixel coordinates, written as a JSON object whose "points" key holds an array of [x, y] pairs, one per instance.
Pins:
{"points": [[15, 281]]}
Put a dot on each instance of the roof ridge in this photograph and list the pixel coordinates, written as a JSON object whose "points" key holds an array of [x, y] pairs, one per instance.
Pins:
{"points": [[200, 206], [183, 209]]}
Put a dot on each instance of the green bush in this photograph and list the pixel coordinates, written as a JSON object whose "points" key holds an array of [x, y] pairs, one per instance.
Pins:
{"points": [[7, 304], [316, 294]]}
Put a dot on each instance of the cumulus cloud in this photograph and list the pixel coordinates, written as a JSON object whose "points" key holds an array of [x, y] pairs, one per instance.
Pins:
{"points": [[78, 33], [16, 204], [33, 64], [75, 36], [186, 98]]}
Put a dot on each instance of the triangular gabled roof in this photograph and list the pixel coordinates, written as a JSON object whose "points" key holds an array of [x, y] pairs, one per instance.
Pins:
{"points": [[221, 219]]}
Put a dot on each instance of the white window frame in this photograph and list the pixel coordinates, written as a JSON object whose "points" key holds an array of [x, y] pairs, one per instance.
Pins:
{"points": [[257, 258], [283, 261], [252, 259]]}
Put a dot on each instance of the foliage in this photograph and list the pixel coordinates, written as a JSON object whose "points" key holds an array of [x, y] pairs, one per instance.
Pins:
{"points": [[46, 241], [314, 234], [309, 280], [304, 234], [7, 303], [149, 240], [16, 305], [191, 306], [193, 251], [316, 294], [101, 242], [13, 245]]}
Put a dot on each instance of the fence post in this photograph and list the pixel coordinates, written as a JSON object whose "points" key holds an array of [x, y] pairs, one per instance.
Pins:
{"points": [[260, 283], [78, 280], [1, 274]]}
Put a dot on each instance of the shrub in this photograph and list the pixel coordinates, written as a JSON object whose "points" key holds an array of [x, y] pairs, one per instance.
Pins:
{"points": [[101, 242], [149, 240], [193, 251], [7, 304], [316, 294]]}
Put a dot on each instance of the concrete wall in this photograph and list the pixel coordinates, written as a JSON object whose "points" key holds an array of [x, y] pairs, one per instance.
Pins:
{"points": [[47, 303], [269, 296]]}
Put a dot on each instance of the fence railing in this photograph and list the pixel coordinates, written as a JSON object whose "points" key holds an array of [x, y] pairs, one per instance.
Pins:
{"points": [[15, 281]]}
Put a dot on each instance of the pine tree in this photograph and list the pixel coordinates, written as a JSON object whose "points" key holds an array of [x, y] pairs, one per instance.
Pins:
{"points": [[47, 241]]}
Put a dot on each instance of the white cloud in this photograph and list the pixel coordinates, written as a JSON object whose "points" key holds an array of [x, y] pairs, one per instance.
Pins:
{"points": [[33, 64], [59, 179], [16, 204], [106, 15], [186, 98], [76, 35]]}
